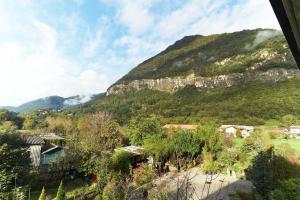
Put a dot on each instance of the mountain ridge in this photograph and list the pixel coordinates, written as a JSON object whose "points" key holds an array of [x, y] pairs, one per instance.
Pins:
{"points": [[53, 103], [240, 52]]}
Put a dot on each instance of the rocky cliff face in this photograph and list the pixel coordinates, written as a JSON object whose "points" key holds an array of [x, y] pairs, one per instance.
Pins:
{"points": [[173, 84]]}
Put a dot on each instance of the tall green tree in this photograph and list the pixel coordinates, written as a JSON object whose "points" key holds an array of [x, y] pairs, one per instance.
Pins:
{"points": [[288, 190], [98, 135], [43, 194], [61, 194], [141, 128], [269, 169]]}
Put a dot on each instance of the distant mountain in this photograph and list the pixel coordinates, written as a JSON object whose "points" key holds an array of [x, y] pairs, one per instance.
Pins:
{"points": [[53, 102]]}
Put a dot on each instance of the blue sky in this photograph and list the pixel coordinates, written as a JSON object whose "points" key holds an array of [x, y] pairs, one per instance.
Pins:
{"points": [[70, 47]]}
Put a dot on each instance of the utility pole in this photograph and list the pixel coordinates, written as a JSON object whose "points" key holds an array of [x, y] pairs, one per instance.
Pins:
{"points": [[15, 187], [29, 194]]}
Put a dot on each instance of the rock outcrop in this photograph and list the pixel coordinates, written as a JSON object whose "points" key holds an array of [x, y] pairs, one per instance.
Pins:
{"points": [[173, 84]]}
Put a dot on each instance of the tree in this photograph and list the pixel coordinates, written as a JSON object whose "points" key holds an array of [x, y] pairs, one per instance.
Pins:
{"points": [[61, 194], [116, 189], [269, 169], [8, 127], [99, 132], [6, 115], [288, 120], [98, 135], [141, 128], [60, 124], [121, 162], [15, 162], [43, 194], [143, 176], [34, 120], [288, 190]]}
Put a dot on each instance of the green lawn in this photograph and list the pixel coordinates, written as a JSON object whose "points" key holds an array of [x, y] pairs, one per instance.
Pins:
{"points": [[294, 143]]}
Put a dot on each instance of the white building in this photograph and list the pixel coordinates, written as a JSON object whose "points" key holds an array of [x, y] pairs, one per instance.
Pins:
{"points": [[294, 132], [231, 130]]}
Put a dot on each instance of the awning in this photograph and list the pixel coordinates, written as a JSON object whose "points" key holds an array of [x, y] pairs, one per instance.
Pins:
{"points": [[288, 15]]}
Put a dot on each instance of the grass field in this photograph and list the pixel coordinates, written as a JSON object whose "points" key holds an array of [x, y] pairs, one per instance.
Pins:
{"points": [[294, 143]]}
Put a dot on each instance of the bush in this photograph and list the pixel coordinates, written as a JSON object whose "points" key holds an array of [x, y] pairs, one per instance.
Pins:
{"points": [[143, 176], [121, 162], [288, 190], [116, 189]]}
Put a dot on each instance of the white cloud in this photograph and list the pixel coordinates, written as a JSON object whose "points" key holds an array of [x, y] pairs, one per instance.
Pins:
{"points": [[93, 44], [40, 70], [136, 16]]}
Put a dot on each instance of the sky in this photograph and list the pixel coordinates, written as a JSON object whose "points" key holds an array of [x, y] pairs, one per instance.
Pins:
{"points": [[77, 47]]}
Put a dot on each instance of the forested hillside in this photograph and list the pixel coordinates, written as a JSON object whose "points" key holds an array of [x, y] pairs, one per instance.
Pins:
{"points": [[250, 103]]}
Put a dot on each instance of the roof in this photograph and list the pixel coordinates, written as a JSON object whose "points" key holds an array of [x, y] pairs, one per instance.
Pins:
{"points": [[237, 127], [180, 126], [294, 127], [131, 149], [52, 148], [33, 140], [288, 15], [51, 136]]}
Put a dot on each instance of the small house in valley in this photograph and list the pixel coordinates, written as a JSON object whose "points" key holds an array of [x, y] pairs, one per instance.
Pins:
{"points": [[233, 130], [294, 132]]}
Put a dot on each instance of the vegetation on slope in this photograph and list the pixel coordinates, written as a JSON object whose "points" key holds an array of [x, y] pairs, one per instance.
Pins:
{"points": [[202, 55], [250, 103]]}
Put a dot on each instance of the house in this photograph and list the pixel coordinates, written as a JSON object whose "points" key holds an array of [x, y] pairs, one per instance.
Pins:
{"points": [[137, 155], [35, 145], [294, 132], [181, 126], [43, 150], [232, 130]]}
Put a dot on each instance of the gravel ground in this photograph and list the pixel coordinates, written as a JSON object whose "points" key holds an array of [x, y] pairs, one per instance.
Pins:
{"points": [[195, 185]]}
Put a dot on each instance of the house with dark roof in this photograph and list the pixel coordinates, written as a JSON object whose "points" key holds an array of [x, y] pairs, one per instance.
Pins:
{"points": [[44, 149]]}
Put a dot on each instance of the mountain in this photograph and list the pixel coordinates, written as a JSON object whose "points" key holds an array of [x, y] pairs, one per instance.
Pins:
{"points": [[219, 60], [53, 102], [246, 77]]}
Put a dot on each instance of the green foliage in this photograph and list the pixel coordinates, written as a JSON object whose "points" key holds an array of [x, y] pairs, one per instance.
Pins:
{"points": [[15, 162], [143, 176], [43, 194], [268, 170], [141, 128], [288, 190], [121, 162], [157, 147], [9, 121], [158, 195], [202, 54], [34, 120], [233, 105], [116, 189], [289, 120], [61, 194]]}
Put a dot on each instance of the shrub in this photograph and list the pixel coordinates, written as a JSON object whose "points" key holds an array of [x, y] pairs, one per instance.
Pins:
{"points": [[121, 162], [143, 176]]}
